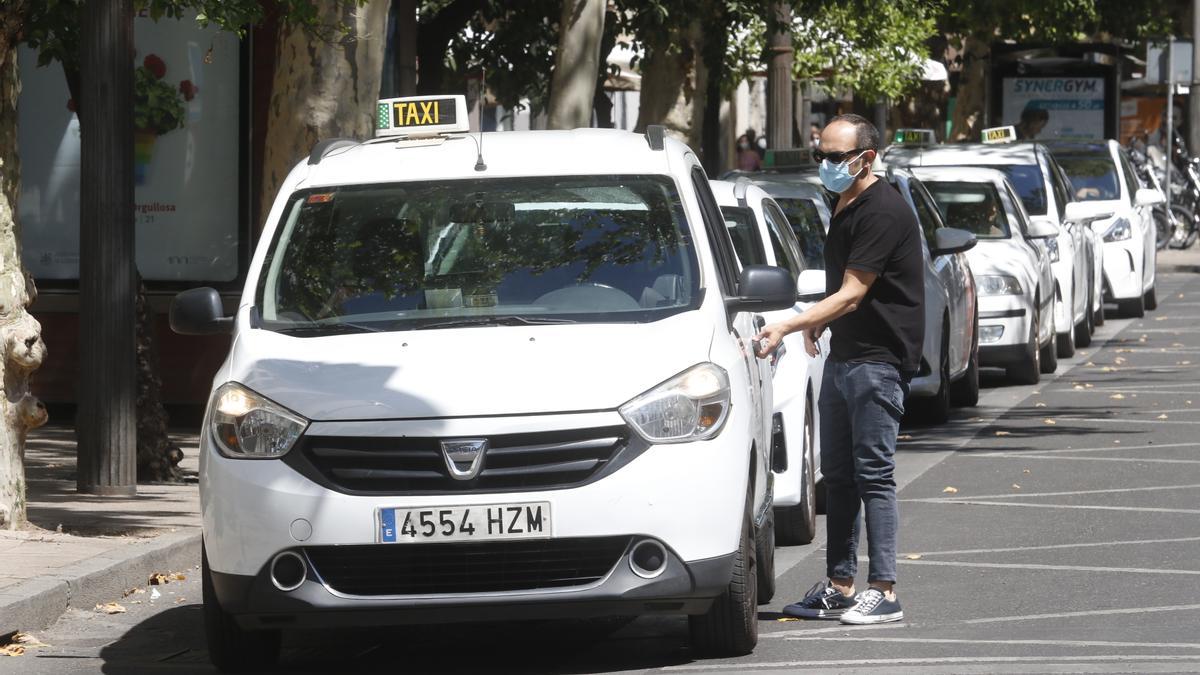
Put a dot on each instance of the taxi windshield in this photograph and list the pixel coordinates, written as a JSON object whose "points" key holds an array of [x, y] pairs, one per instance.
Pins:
{"points": [[805, 219], [1093, 175], [474, 252], [974, 207]]}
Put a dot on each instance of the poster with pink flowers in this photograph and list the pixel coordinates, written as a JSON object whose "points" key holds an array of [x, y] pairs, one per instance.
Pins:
{"points": [[187, 99]]}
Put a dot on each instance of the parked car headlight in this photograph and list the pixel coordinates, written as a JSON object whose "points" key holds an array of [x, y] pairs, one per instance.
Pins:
{"points": [[1120, 231], [1052, 249], [998, 284], [246, 425], [692, 406]]}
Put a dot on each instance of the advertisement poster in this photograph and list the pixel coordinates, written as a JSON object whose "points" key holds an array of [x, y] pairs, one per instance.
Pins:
{"points": [[1054, 107], [185, 158], [1142, 116]]}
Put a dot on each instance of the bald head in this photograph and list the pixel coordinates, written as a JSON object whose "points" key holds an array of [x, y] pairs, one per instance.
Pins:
{"points": [[849, 132]]}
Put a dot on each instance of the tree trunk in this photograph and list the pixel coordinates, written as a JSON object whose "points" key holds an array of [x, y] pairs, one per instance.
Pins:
{"points": [[576, 64], [433, 39], [406, 47], [602, 105], [157, 457], [673, 84], [21, 346], [779, 76], [714, 61], [323, 89], [969, 114]]}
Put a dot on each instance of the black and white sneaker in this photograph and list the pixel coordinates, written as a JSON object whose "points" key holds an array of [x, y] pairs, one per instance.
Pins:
{"points": [[822, 601], [872, 606]]}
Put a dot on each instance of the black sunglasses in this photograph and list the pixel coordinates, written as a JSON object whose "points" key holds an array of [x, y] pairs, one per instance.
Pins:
{"points": [[836, 157]]}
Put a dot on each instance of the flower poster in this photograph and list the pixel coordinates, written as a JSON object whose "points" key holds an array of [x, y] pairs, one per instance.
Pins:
{"points": [[187, 98]]}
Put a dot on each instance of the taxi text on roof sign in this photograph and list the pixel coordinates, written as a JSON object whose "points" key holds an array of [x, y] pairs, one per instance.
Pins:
{"points": [[914, 137], [788, 158], [421, 115], [1006, 134]]}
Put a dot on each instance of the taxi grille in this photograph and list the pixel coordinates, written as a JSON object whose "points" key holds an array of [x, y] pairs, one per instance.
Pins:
{"points": [[475, 567], [415, 465]]}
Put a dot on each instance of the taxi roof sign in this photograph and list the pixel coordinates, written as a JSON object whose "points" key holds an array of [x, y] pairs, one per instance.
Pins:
{"points": [[914, 137], [788, 158], [421, 116], [1006, 134]]}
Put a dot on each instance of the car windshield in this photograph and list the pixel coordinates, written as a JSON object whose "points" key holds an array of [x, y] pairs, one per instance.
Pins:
{"points": [[1093, 175], [805, 219], [1031, 188], [517, 250], [740, 222], [974, 207]]}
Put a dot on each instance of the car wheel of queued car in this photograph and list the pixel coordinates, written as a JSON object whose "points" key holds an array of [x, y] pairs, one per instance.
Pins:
{"points": [[730, 626], [1083, 331], [1134, 308], [764, 556], [1029, 370], [230, 648], [965, 392], [798, 524], [936, 409], [1065, 341], [1150, 301]]}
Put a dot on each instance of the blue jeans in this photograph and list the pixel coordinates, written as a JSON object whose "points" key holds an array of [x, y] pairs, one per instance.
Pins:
{"points": [[861, 404]]}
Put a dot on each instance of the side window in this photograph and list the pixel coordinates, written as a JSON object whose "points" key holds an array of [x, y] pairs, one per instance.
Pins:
{"points": [[787, 254], [1013, 205], [1132, 182], [718, 235], [1062, 192], [929, 222]]}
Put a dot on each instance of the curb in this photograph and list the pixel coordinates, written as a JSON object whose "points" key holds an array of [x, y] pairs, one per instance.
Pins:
{"points": [[37, 603]]}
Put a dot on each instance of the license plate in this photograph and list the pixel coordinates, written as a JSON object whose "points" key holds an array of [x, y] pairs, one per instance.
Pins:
{"points": [[479, 522]]}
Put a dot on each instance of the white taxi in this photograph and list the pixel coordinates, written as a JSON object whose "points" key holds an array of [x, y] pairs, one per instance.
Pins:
{"points": [[487, 378], [762, 236]]}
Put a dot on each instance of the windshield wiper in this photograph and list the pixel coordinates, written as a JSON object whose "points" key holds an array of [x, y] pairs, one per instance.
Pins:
{"points": [[505, 320], [329, 328]]}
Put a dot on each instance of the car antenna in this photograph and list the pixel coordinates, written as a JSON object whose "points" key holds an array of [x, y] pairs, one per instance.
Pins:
{"points": [[479, 163]]}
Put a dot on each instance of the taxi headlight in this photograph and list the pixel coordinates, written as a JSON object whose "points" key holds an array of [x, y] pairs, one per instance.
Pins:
{"points": [[1120, 231], [245, 425], [998, 284], [1052, 249], [692, 406]]}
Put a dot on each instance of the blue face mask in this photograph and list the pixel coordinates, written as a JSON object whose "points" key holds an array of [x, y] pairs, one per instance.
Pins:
{"points": [[837, 177]]}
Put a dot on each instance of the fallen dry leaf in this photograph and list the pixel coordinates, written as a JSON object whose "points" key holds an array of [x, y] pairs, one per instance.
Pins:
{"points": [[1118, 442], [110, 608], [157, 579], [913, 556], [1108, 369], [1025, 471], [1003, 433], [1118, 396], [1049, 421], [1160, 318], [1039, 404], [904, 437], [785, 619], [1078, 386], [950, 490], [1119, 359], [28, 640], [1016, 487], [1088, 385], [1185, 363], [178, 577], [180, 600], [1089, 363], [1176, 344], [1162, 417], [12, 650]]}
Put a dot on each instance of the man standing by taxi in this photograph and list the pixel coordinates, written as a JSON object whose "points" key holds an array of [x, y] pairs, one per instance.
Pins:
{"points": [[873, 308]]}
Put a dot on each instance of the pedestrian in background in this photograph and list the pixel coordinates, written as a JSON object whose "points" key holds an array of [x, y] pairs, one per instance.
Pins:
{"points": [[747, 156], [873, 308]]}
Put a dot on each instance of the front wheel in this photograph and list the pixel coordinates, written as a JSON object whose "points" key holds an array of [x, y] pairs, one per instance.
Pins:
{"points": [[230, 648], [1049, 353], [730, 626], [965, 392], [1150, 300], [1085, 328], [1066, 341], [764, 554], [1135, 308], [1029, 370]]}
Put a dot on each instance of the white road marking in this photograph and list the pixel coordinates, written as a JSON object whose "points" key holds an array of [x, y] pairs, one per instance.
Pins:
{"points": [[1048, 568], [1107, 448], [1050, 643], [1035, 454], [1081, 507], [1010, 495], [962, 660], [1091, 612], [1047, 547]]}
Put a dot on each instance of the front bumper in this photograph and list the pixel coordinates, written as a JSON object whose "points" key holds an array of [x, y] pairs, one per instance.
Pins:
{"points": [[682, 588], [1123, 269], [1011, 315]]}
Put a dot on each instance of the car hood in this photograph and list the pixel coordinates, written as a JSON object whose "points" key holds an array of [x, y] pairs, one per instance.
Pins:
{"points": [[1003, 256], [468, 372]]}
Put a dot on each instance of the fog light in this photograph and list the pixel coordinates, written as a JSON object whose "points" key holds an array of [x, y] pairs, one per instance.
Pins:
{"points": [[990, 333], [288, 571], [648, 559]]}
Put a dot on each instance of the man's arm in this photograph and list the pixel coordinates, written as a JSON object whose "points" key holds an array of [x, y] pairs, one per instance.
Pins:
{"points": [[855, 284]]}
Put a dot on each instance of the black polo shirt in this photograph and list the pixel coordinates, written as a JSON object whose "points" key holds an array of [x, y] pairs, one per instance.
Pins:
{"points": [[878, 233]]}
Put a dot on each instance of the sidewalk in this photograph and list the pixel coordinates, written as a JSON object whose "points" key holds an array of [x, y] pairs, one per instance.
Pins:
{"points": [[81, 550], [1170, 260]]}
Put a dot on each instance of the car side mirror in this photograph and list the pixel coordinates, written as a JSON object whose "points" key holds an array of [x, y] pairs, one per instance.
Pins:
{"points": [[198, 311], [810, 287], [950, 240], [1042, 227], [1086, 212], [1148, 197], [763, 288]]}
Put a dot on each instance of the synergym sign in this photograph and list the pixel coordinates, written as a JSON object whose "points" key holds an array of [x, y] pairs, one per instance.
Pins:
{"points": [[186, 120], [1074, 106]]}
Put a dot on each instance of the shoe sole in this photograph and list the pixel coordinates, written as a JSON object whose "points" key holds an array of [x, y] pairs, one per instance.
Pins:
{"points": [[871, 619], [815, 613]]}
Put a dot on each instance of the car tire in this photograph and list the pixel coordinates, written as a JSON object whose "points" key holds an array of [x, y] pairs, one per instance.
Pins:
{"points": [[1150, 301], [798, 524], [936, 409], [965, 392], [1135, 308], [231, 648], [1083, 332], [1029, 369], [764, 555], [730, 626], [1098, 317], [1049, 356]]}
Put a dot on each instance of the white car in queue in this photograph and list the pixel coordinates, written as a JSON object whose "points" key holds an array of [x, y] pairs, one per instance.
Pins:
{"points": [[1010, 263], [1108, 189], [762, 236], [1045, 191], [473, 383]]}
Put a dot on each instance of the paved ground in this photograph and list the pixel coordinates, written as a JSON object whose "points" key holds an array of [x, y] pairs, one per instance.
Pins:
{"points": [[1070, 543]]}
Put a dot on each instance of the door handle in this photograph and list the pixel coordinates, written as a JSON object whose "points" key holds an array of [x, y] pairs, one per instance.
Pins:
{"points": [[759, 322]]}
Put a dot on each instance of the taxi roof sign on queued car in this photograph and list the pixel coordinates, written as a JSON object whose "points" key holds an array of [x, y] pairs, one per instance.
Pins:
{"points": [[1006, 134], [914, 137], [788, 158], [417, 116]]}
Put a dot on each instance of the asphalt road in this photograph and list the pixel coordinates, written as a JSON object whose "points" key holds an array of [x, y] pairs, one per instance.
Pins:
{"points": [[1053, 529]]}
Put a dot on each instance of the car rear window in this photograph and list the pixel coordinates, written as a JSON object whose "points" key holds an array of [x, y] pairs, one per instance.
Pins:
{"points": [[974, 207], [1030, 185], [1093, 175]]}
